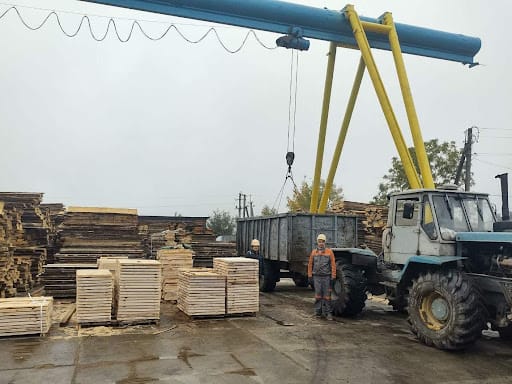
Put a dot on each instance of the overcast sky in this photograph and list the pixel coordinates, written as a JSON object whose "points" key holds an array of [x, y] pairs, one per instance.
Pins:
{"points": [[170, 126]]}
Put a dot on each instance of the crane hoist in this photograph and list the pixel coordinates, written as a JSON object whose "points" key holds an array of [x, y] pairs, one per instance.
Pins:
{"points": [[344, 29]]}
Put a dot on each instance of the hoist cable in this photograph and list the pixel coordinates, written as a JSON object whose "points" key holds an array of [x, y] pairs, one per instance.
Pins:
{"points": [[135, 23], [290, 104], [295, 101]]}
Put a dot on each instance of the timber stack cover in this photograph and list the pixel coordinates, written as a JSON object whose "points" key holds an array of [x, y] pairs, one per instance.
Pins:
{"points": [[172, 261], [242, 288], [93, 296], [201, 292], [25, 316], [138, 290]]}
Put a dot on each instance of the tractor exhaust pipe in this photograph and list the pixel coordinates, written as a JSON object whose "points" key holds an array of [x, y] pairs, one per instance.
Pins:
{"points": [[505, 213]]}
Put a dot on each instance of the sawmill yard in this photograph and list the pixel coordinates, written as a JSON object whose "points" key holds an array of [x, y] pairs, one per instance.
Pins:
{"points": [[283, 343], [102, 295]]}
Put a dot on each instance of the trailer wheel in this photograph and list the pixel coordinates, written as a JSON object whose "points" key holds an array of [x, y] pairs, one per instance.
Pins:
{"points": [[445, 310], [349, 291], [300, 280], [268, 278]]}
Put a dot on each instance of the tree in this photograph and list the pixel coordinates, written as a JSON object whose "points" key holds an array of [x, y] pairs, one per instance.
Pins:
{"points": [[221, 223], [267, 211], [301, 200], [443, 157]]}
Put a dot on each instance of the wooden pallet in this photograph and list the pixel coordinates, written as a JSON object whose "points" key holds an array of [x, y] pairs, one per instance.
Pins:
{"points": [[118, 323]]}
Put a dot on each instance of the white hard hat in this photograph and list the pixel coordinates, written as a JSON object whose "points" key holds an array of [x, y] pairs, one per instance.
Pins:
{"points": [[255, 243], [321, 237]]}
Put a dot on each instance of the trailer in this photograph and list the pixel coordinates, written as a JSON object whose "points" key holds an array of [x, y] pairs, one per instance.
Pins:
{"points": [[287, 240]]}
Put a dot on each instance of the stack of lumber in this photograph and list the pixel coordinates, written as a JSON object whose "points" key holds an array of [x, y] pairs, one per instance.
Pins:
{"points": [[242, 289], [206, 252], [25, 316], [172, 261], [35, 258], [159, 231], [110, 263], [88, 233], [56, 213], [93, 296], [35, 223], [137, 290], [60, 279], [201, 292], [372, 220], [25, 232], [9, 274]]}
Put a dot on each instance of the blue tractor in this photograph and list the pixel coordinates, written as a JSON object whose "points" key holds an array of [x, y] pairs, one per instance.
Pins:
{"points": [[444, 262]]}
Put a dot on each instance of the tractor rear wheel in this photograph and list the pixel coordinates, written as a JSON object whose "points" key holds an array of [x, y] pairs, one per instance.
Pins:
{"points": [[349, 291], [506, 332], [445, 310]]}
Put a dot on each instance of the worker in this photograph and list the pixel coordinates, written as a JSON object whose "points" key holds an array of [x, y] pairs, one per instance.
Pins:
{"points": [[321, 274], [254, 253]]}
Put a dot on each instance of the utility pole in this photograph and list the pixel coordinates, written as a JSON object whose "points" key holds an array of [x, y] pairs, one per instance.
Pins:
{"points": [[246, 212], [239, 204], [251, 206], [468, 146]]}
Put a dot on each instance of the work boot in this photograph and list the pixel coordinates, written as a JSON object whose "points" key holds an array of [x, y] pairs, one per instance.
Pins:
{"points": [[329, 317], [318, 314]]}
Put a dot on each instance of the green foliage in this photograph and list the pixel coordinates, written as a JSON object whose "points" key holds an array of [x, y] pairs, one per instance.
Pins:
{"points": [[301, 199], [443, 157], [221, 223], [267, 211]]}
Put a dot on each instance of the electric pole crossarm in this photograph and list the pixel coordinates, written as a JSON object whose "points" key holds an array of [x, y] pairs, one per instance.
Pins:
{"points": [[315, 23]]}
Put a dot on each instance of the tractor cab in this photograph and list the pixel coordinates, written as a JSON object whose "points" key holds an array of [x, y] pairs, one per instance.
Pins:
{"points": [[425, 222]]}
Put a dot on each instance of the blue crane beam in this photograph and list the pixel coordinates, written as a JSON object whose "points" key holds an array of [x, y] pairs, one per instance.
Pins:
{"points": [[315, 23]]}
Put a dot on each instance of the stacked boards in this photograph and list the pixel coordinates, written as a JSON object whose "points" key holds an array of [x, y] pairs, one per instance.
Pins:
{"points": [[201, 292], [242, 289], [173, 260], [25, 316], [138, 290], [93, 295]]}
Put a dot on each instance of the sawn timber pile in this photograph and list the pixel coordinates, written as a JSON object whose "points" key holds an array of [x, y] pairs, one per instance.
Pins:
{"points": [[87, 233], [171, 231], [25, 237]]}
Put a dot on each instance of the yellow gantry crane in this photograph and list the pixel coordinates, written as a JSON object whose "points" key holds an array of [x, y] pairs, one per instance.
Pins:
{"points": [[359, 28]]}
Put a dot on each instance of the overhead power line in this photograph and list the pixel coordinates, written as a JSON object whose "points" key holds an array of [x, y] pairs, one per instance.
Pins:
{"points": [[85, 20], [493, 164]]}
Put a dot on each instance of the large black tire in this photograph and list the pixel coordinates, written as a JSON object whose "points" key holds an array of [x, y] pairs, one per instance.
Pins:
{"points": [[446, 310], [349, 291], [506, 333], [300, 280], [268, 278]]}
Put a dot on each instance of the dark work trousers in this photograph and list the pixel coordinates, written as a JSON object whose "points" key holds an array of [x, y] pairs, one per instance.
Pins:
{"points": [[322, 295]]}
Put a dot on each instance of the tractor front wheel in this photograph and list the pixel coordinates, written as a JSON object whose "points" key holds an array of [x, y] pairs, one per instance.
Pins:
{"points": [[445, 310]]}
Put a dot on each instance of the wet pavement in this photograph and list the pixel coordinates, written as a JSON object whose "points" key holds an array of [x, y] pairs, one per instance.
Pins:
{"points": [[283, 344]]}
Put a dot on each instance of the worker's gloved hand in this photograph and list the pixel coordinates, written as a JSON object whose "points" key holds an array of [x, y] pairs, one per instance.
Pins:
{"points": [[333, 280], [310, 280]]}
